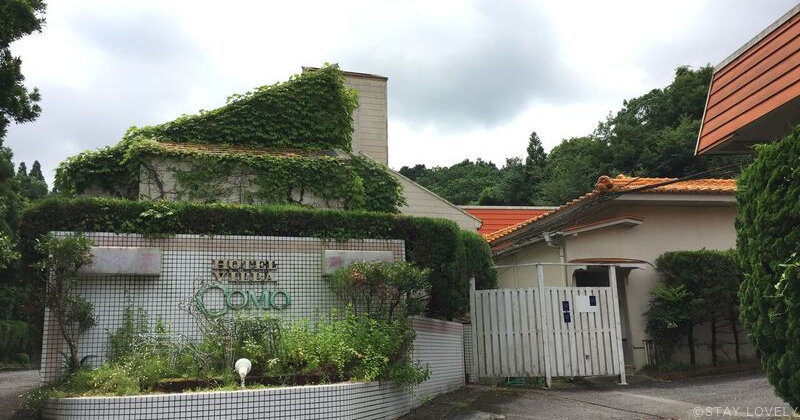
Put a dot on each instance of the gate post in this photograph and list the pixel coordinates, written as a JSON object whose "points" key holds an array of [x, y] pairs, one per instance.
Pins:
{"points": [[474, 327], [545, 326], [612, 279]]}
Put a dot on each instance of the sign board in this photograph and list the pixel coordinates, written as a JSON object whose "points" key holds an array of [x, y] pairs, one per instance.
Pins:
{"points": [[333, 260], [124, 261], [586, 304]]}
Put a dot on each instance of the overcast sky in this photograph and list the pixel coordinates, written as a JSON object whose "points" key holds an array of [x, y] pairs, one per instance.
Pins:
{"points": [[467, 79]]}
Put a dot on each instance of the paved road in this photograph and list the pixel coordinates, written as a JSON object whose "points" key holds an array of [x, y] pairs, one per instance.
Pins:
{"points": [[12, 386], [744, 395]]}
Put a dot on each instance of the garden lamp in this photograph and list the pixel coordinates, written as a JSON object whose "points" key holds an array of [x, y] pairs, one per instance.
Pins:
{"points": [[242, 367]]}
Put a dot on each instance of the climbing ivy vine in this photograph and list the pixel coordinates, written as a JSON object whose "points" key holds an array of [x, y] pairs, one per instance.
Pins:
{"points": [[312, 111], [339, 181]]}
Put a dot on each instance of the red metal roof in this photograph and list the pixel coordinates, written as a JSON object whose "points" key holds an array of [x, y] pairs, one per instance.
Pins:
{"points": [[495, 218]]}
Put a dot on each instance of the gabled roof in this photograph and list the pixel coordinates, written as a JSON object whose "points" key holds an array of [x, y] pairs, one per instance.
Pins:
{"points": [[613, 187], [495, 218]]}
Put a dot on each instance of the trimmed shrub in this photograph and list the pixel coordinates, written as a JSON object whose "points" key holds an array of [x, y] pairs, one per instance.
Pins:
{"points": [[768, 229], [14, 338], [435, 244], [479, 262]]}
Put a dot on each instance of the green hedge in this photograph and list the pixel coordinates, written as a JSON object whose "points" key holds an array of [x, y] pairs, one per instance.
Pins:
{"points": [[768, 241], [436, 244]]}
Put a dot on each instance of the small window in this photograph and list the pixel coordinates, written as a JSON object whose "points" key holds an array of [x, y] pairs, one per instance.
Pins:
{"points": [[591, 278]]}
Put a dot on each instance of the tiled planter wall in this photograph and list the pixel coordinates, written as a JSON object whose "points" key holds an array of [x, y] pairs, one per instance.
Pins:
{"points": [[438, 344]]}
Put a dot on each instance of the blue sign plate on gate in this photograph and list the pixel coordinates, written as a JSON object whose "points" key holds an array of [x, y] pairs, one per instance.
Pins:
{"points": [[565, 305], [567, 317]]}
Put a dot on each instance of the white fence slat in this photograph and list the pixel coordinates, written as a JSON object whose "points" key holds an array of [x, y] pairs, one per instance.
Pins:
{"points": [[501, 333], [521, 332], [479, 336]]}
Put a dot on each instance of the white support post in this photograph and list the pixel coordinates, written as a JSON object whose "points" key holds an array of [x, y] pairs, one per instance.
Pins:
{"points": [[474, 327], [544, 324], [612, 279]]}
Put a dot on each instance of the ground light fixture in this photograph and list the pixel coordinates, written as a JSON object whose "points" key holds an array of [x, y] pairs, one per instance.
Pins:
{"points": [[242, 367]]}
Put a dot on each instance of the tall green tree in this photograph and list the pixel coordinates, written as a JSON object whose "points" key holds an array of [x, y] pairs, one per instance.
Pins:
{"points": [[655, 134], [535, 170], [32, 185], [17, 104], [573, 168]]}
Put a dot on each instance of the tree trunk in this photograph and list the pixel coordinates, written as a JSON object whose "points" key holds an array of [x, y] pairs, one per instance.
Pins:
{"points": [[713, 341], [74, 363], [735, 330], [690, 336]]}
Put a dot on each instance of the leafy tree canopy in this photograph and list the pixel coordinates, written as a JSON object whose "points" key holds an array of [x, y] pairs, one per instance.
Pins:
{"points": [[652, 135], [461, 183]]}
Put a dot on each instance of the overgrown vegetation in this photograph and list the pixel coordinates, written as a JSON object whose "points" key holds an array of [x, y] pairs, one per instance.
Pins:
{"points": [[311, 111], [768, 241], [697, 288], [652, 135]]}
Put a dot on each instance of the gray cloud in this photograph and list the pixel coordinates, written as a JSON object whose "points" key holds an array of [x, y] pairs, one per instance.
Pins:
{"points": [[719, 29], [147, 66], [463, 77]]}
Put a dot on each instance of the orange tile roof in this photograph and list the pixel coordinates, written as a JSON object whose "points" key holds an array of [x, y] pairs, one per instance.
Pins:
{"points": [[625, 184], [496, 218]]}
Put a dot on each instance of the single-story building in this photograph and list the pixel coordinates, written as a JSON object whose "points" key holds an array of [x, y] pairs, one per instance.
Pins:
{"points": [[627, 221]]}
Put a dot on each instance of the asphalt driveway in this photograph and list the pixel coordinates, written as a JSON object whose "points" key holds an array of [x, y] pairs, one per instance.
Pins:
{"points": [[720, 397], [13, 384]]}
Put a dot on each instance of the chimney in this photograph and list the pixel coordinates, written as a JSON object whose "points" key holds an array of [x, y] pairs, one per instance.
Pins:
{"points": [[370, 119]]}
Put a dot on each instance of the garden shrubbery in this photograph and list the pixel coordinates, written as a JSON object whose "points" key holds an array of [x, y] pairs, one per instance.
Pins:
{"points": [[696, 288], [768, 241]]}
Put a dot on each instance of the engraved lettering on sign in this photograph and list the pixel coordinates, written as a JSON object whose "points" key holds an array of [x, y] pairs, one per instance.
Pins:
{"points": [[244, 270]]}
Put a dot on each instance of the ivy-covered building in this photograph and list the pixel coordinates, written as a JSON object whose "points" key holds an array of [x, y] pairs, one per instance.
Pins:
{"points": [[319, 140]]}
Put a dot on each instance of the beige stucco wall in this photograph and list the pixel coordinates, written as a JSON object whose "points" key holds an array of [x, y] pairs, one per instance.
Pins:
{"points": [[665, 228], [423, 203], [370, 118], [525, 275]]}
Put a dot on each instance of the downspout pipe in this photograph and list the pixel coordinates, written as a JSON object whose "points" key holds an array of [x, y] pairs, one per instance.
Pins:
{"points": [[548, 239]]}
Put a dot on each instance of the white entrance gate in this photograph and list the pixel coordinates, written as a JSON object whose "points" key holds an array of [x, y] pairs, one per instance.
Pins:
{"points": [[547, 331]]}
